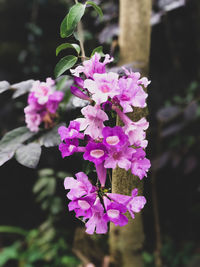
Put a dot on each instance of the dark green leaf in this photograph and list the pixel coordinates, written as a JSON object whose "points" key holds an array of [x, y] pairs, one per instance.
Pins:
{"points": [[29, 155], [51, 138], [98, 50], [64, 64], [71, 20], [12, 229], [4, 86], [67, 45], [22, 88], [9, 253], [96, 7], [12, 139]]}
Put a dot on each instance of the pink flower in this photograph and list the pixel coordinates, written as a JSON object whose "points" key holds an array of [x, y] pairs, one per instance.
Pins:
{"points": [[103, 86], [136, 76], [97, 221], [136, 132], [114, 138], [133, 203], [83, 206], [32, 119], [120, 158], [92, 66], [93, 121], [114, 212], [43, 102], [95, 152], [43, 90], [140, 165], [71, 132], [80, 187], [131, 94], [69, 147]]}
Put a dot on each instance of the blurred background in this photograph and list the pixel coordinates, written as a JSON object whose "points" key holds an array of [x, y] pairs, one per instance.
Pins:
{"points": [[35, 227]]}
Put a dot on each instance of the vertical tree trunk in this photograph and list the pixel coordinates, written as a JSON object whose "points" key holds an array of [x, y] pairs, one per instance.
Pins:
{"points": [[126, 242]]}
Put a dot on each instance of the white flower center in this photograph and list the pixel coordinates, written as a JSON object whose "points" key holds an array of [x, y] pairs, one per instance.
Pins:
{"points": [[96, 153], [112, 140], [105, 88], [113, 213], [83, 204], [71, 147], [72, 132]]}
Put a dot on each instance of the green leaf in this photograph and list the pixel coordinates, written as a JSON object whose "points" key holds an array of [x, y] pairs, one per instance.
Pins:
{"points": [[4, 86], [5, 156], [9, 253], [12, 229], [98, 50], [64, 64], [96, 7], [51, 138], [12, 139], [71, 20], [29, 155], [68, 45]]}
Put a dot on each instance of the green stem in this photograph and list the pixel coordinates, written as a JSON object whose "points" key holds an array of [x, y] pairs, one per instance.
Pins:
{"points": [[13, 230]]}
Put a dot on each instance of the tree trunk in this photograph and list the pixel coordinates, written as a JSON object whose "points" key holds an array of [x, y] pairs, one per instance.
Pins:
{"points": [[134, 41]]}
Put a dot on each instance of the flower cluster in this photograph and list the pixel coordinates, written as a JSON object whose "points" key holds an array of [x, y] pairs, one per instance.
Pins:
{"points": [[107, 147], [96, 207], [43, 102]]}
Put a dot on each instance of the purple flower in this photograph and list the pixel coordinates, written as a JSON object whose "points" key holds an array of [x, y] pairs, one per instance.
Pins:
{"points": [[69, 147], [77, 92], [131, 94], [97, 221], [93, 121], [43, 102], [83, 206], [114, 212], [95, 152], [103, 86], [32, 119], [78, 187], [114, 137], [78, 81], [92, 66], [70, 137], [134, 130], [101, 173], [136, 76], [71, 132], [140, 165], [133, 203], [136, 203], [121, 158]]}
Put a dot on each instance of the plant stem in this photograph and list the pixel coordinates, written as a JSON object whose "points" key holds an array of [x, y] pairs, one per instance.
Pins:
{"points": [[81, 37]]}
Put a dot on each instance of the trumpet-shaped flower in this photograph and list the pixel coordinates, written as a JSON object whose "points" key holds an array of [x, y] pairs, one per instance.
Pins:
{"points": [[92, 66], [103, 86], [92, 124]]}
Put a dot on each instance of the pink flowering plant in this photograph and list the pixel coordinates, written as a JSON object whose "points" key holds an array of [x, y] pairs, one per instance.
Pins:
{"points": [[105, 146], [106, 94]]}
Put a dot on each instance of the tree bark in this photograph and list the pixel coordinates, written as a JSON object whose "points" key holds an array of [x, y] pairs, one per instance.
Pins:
{"points": [[126, 242]]}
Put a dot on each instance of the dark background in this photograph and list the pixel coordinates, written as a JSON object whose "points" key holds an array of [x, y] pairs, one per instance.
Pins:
{"points": [[29, 34]]}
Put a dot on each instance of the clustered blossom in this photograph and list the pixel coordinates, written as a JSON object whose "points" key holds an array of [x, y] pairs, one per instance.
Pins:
{"points": [[43, 102], [96, 207], [106, 147]]}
